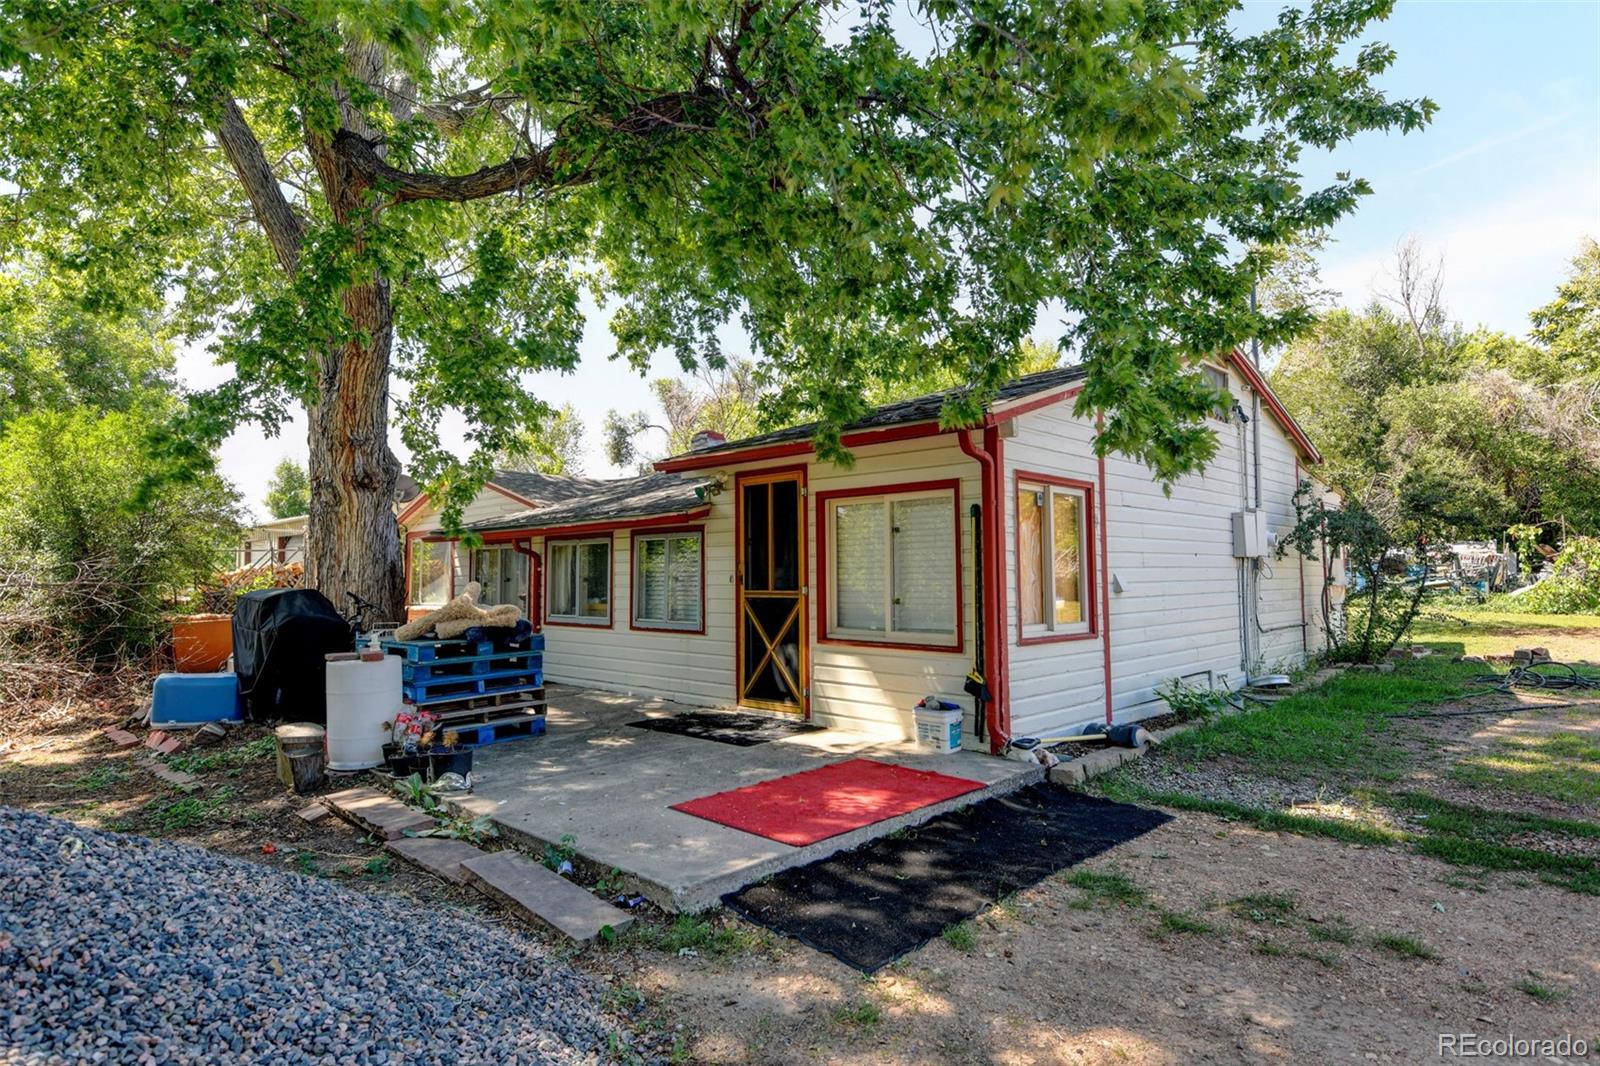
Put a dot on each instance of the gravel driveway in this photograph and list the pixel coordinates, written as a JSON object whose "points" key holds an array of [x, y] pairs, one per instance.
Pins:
{"points": [[120, 949]]}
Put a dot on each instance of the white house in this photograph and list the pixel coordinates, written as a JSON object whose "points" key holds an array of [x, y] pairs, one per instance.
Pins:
{"points": [[750, 573], [278, 542]]}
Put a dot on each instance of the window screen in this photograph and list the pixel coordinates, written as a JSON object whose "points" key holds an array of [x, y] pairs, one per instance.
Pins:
{"points": [[667, 578], [894, 570]]}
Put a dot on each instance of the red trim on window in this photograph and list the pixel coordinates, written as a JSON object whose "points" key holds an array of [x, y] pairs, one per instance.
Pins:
{"points": [[1268, 397], [611, 582], [535, 582], [1088, 570], [633, 577], [450, 562], [1105, 574], [500, 536], [951, 485]]}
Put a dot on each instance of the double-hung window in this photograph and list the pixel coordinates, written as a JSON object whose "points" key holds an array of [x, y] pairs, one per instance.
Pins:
{"points": [[894, 574], [667, 580], [1053, 559], [579, 579]]}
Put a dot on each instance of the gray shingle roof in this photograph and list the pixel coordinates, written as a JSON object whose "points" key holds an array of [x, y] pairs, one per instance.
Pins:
{"points": [[917, 409], [545, 488], [649, 496]]}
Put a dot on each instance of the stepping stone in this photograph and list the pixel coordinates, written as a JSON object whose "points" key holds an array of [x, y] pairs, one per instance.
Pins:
{"points": [[553, 900], [313, 813], [179, 778], [437, 855], [121, 737], [379, 814]]}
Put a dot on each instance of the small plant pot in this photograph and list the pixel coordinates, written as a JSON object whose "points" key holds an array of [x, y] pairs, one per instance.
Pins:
{"points": [[403, 764], [442, 760]]}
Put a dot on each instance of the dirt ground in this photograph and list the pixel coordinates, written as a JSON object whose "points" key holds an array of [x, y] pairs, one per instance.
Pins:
{"points": [[1206, 941], [1054, 975]]}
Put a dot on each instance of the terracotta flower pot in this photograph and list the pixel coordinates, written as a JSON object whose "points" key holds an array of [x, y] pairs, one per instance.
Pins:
{"points": [[202, 643]]}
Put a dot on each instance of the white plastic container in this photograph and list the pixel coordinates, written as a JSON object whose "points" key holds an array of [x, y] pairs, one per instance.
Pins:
{"points": [[362, 696], [938, 729]]}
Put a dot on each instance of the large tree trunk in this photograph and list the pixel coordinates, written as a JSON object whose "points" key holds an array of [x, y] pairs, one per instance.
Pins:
{"points": [[353, 542]]}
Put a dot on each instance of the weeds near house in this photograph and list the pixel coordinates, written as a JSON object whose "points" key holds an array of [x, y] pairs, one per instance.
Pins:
{"points": [[1334, 932], [692, 933], [863, 1014], [1174, 922], [1264, 907], [1107, 889], [204, 762], [162, 817], [1189, 703], [960, 937], [1535, 989], [1409, 946], [556, 854]]}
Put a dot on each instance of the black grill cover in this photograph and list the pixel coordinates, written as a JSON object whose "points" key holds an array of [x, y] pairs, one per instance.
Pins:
{"points": [[279, 639]]}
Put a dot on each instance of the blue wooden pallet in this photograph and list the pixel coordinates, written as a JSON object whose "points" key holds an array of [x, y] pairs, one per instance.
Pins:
{"points": [[476, 736], [469, 665], [445, 689], [427, 651]]}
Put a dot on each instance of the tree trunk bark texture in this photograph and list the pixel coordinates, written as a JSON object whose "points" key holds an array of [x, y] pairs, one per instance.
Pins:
{"points": [[352, 538]]}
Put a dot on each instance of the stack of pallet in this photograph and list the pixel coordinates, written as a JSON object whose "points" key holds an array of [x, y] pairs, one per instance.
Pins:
{"points": [[483, 695]]}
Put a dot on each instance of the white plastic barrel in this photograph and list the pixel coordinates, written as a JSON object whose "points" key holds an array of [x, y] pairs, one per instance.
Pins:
{"points": [[362, 696]]}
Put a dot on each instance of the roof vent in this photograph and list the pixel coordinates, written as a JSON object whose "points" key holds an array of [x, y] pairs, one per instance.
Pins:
{"points": [[705, 438]]}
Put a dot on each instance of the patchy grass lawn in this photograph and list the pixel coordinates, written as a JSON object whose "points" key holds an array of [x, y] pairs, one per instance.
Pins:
{"points": [[1504, 783], [1481, 631]]}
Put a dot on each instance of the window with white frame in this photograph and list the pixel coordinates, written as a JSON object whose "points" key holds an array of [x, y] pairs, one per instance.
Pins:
{"points": [[894, 571], [430, 572], [667, 591], [1052, 559], [578, 574]]}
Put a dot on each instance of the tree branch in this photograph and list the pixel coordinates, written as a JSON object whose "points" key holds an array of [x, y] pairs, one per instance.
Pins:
{"points": [[273, 212]]}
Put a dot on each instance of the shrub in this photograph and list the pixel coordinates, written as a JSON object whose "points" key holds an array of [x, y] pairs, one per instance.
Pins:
{"points": [[84, 549], [1574, 584]]}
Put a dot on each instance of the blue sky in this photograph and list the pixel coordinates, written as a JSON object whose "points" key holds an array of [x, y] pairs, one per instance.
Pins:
{"points": [[1503, 185]]}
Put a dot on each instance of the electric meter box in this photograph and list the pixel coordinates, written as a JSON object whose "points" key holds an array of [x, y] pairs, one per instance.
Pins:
{"points": [[1249, 534]]}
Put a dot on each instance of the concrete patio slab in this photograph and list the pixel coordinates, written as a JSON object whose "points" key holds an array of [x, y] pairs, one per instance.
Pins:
{"points": [[610, 787]]}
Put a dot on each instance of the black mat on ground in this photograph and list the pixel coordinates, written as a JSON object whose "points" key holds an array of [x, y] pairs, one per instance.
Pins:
{"points": [[870, 906], [726, 727]]}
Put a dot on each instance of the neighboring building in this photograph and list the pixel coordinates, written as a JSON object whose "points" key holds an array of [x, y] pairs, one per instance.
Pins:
{"points": [[276, 543], [750, 573]]}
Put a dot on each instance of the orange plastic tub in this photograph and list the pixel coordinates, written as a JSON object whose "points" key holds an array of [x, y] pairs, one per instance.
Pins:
{"points": [[201, 643]]}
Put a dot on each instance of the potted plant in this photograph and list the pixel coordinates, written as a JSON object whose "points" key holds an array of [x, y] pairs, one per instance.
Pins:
{"points": [[448, 757], [410, 735]]}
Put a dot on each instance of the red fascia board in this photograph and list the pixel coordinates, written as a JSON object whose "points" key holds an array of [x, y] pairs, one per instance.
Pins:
{"points": [[1248, 370], [1024, 405], [732, 456], [859, 438], [422, 499], [500, 536], [951, 485]]}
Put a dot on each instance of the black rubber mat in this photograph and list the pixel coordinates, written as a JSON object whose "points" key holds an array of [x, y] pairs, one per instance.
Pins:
{"points": [[869, 906], [727, 727]]}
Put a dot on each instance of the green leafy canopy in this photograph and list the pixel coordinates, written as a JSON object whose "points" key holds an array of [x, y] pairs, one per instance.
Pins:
{"points": [[865, 208]]}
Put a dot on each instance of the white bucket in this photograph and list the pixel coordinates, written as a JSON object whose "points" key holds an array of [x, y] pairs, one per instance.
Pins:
{"points": [[362, 696], [938, 730]]}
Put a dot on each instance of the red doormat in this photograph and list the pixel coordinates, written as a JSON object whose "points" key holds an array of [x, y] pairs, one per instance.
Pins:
{"points": [[817, 804]]}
